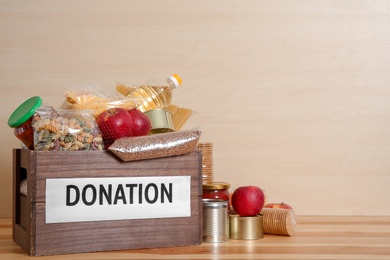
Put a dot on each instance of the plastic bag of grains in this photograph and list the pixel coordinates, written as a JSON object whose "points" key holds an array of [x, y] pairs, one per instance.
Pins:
{"points": [[156, 146]]}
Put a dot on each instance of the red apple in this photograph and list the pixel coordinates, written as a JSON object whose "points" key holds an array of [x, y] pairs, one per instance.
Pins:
{"points": [[114, 123], [248, 200], [278, 206], [140, 123]]}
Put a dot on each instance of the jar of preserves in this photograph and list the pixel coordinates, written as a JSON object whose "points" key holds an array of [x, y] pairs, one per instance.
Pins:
{"points": [[21, 121], [216, 191]]}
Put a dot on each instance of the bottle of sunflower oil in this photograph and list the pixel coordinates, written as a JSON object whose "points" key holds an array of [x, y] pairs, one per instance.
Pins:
{"points": [[154, 95], [155, 101]]}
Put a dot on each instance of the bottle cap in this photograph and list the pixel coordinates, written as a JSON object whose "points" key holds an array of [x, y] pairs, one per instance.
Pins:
{"points": [[24, 111], [174, 81]]}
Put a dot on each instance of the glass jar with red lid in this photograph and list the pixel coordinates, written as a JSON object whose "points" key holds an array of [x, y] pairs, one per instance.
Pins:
{"points": [[216, 191], [21, 121]]}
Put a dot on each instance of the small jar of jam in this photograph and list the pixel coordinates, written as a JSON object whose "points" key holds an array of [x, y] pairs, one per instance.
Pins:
{"points": [[216, 191], [21, 121]]}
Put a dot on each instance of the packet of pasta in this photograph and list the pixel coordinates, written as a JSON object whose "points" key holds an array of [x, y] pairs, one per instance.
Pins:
{"points": [[65, 130], [98, 99]]}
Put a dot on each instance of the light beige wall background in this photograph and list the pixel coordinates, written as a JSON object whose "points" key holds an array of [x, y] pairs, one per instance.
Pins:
{"points": [[294, 95]]}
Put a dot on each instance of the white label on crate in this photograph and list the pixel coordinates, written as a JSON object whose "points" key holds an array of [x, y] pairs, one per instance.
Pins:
{"points": [[117, 198]]}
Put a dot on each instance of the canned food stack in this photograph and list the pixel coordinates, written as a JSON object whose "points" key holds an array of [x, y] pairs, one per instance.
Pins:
{"points": [[216, 212], [207, 161]]}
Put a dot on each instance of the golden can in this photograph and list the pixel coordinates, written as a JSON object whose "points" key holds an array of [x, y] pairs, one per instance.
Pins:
{"points": [[215, 220], [161, 121], [246, 228]]}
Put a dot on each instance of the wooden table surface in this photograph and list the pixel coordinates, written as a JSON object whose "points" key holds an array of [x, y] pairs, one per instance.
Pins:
{"points": [[320, 237]]}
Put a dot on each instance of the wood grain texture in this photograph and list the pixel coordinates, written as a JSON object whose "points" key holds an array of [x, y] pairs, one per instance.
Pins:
{"points": [[37, 237], [294, 95], [318, 237]]}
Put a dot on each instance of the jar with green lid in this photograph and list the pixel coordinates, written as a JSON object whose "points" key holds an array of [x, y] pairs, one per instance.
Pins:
{"points": [[216, 191], [21, 121]]}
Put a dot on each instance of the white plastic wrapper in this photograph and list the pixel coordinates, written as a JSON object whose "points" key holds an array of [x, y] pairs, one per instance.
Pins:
{"points": [[98, 99], [156, 146]]}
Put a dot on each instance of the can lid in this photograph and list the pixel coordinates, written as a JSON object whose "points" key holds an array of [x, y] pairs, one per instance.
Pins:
{"points": [[160, 119], [24, 111], [216, 186], [174, 81]]}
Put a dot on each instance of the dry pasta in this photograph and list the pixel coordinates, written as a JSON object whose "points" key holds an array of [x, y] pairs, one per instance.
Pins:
{"points": [[65, 130], [98, 102]]}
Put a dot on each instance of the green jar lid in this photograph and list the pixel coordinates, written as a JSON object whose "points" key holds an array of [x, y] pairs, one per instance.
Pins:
{"points": [[24, 111]]}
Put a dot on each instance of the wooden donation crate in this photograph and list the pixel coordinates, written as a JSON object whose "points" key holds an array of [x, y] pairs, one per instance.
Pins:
{"points": [[87, 201]]}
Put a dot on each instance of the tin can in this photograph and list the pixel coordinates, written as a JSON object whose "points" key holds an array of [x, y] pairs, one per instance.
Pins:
{"points": [[161, 121], [215, 220], [246, 228], [279, 221]]}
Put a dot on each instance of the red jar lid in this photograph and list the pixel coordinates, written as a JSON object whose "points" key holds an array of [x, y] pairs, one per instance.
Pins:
{"points": [[24, 111]]}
